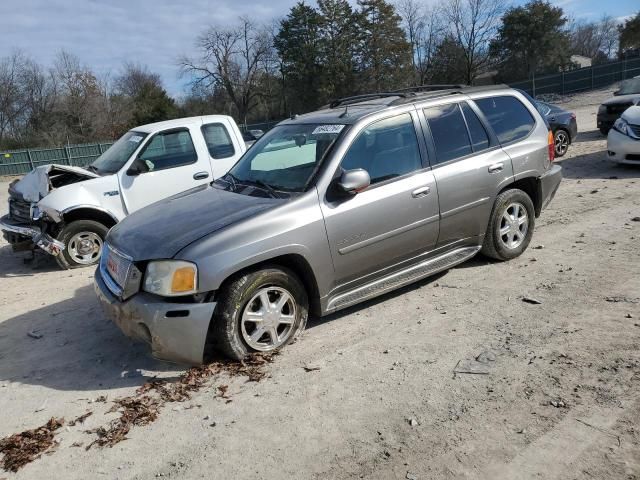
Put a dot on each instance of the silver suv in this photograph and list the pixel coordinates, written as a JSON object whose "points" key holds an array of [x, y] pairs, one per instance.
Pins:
{"points": [[327, 210]]}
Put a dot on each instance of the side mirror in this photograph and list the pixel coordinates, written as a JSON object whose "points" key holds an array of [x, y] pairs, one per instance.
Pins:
{"points": [[137, 167], [353, 181]]}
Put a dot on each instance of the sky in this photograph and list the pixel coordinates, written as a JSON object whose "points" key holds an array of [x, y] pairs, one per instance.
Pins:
{"points": [[106, 33]]}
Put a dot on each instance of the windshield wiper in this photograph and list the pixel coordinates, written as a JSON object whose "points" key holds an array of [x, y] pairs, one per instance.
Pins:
{"points": [[230, 180], [93, 169], [266, 187]]}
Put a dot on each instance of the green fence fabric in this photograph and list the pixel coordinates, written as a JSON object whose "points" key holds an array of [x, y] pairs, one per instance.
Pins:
{"points": [[19, 162]]}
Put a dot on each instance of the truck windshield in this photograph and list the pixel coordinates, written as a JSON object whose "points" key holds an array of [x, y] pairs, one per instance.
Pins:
{"points": [[282, 161], [117, 155]]}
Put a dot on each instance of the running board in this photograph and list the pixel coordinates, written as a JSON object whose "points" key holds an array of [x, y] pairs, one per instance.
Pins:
{"points": [[403, 277]]}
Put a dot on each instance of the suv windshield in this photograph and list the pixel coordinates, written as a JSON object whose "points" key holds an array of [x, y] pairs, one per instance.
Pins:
{"points": [[117, 155], [282, 161], [629, 87]]}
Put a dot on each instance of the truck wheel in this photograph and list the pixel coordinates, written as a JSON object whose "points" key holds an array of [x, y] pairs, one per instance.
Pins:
{"points": [[260, 311], [510, 226], [604, 131], [83, 241]]}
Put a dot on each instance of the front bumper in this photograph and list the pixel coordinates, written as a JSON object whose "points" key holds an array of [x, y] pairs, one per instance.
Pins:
{"points": [[623, 149], [177, 332], [549, 183], [29, 231]]}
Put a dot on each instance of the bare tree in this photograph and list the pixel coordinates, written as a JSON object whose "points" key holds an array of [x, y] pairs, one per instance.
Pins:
{"points": [[233, 59], [12, 96], [473, 24], [594, 39], [412, 15]]}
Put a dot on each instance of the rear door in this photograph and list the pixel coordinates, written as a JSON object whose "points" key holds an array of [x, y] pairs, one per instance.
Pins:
{"points": [[469, 168], [173, 165], [223, 146], [396, 218]]}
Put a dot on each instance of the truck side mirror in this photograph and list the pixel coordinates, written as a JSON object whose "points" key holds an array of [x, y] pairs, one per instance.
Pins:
{"points": [[354, 181], [137, 167]]}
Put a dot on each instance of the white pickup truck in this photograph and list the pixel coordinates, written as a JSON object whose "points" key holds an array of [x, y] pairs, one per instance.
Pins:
{"points": [[68, 210]]}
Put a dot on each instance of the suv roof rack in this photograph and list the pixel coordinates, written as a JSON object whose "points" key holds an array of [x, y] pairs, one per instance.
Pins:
{"points": [[432, 88], [366, 96]]}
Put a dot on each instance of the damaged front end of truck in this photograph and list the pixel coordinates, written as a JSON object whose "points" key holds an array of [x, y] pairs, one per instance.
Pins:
{"points": [[28, 224]]}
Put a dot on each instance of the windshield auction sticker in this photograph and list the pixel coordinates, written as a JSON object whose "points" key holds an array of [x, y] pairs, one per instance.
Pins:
{"points": [[135, 139], [327, 129]]}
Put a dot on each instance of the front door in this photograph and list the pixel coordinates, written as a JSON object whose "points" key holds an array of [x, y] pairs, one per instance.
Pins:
{"points": [[167, 164], [396, 218]]}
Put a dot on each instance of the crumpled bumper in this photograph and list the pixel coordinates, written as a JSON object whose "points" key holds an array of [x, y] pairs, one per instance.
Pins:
{"points": [[549, 183], [177, 332], [41, 239]]}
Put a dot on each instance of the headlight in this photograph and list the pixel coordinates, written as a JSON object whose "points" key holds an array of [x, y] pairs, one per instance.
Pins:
{"points": [[171, 278], [622, 126]]}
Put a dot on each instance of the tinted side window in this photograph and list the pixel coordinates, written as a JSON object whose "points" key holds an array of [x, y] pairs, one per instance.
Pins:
{"points": [[218, 140], [479, 137], [386, 149], [169, 150], [508, 117], [449, 132]]}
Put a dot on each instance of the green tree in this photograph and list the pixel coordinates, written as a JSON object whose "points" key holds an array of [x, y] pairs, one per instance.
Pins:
{"points": [[448, 63], [298, 44], [384, 53], [337, 48], [630, 35], [531, 40]]}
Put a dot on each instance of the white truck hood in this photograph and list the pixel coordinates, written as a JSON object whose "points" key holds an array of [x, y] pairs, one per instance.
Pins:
{"points": [[41, 180], [632, 115]]}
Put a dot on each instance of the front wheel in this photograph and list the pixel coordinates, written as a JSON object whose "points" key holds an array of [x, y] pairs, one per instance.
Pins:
{"points": [[510, 226], [259, 311], [83, 241]]}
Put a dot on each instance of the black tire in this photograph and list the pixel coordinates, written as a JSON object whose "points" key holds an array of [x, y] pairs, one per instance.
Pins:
{"points": [[226, 330], [494, 246], [604, 131], [562, 149], [66, 259]]}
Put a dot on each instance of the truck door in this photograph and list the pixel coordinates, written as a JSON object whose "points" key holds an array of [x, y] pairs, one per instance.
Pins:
{"points": [[167, 164], [223, 146]]}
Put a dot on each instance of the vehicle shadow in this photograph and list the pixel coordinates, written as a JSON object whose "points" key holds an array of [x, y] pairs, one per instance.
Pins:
{"points": [[70, 345], [315, 321], [24, 264], [596, 166]]}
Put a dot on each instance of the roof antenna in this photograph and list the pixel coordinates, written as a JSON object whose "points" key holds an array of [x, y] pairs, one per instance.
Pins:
{"points": [[345, 113]]}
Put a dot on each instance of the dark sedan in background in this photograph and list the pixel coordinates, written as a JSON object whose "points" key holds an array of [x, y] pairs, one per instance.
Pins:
{"points": [[563, 125], [626, 96]]}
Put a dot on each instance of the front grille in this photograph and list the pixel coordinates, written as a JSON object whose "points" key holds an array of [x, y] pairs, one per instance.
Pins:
{"points": [[618, 108], [633, 156], [119, 272], [635, 129], [19, 210]]}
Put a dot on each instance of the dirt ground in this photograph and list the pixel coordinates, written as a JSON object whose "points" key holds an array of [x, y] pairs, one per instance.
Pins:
{"points": [[558, 396]]}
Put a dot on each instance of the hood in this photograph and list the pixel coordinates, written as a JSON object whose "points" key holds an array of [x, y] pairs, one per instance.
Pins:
{"points": [[41, 180], [622, 99], [164, 228], [632, 115]]}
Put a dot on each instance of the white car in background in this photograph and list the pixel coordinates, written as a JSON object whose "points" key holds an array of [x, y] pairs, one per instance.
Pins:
{"points": [[623, 140], [67, 210]]}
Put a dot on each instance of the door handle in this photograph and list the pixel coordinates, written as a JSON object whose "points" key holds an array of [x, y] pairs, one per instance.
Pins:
{"points": [[496, 167], [420, 192], [200, 175]]}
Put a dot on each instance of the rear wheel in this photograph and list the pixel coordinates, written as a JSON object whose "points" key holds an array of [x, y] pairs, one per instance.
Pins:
{"points": [[511, 225], [561, 142], [83, 241], [259, 311]]}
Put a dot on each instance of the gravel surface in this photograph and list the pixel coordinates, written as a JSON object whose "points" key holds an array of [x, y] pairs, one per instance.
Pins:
{"points": [[376, 391]]}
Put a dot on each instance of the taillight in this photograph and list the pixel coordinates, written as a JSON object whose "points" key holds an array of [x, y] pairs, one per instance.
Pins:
{"points": [[573, 115], [552, 149]]}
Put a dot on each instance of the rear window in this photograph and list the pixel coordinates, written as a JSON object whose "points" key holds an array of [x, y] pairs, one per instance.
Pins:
{"points": [[218, 140], [508, 117], [449, 132]]}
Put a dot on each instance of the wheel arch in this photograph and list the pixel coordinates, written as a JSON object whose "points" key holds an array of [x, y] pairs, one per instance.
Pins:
{"points": [[89, 213], [295, 262], [532, 187]]}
